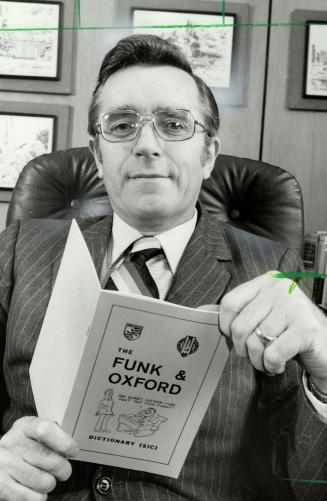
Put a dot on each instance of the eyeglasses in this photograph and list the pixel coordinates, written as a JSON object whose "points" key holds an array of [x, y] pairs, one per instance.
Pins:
{"points": [[125, 125]]}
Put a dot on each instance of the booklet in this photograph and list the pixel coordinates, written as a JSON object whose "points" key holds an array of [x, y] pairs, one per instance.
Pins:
{"points": [[128, 376]]}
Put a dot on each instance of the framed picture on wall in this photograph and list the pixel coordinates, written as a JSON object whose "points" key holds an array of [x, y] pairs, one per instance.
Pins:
{"points": [[28, 131], [315, 83], [32, 54], [33, 59], [307, 86], [208, 50], [23, 138], [218, 54]]}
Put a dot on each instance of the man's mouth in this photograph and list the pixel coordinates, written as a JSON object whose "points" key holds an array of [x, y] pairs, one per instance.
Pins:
{"points": [[148, 176]]}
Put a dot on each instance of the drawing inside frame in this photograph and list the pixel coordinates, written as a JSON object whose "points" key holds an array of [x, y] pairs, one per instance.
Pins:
{"points": [[209, 49], [23, 137], [25, 53], [316, 62]]}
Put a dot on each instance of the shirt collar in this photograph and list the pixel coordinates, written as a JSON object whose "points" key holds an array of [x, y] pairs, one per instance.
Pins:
{"points": [[173, 241]]}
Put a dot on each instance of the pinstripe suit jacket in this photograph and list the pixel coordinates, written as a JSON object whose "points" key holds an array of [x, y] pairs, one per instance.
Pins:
{"points": [[257, 430]]}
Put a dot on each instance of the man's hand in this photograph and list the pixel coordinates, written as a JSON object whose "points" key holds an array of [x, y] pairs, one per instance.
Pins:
{"points": [[297, 326], [33, 457]]}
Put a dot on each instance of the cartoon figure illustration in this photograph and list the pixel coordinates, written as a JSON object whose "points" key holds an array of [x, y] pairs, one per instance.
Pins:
{"points": [[142, 424], [104, 411]]}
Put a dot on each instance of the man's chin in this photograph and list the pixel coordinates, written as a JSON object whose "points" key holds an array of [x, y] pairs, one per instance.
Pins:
{"points": [[152, 213], [148, 188], [152, 201]]}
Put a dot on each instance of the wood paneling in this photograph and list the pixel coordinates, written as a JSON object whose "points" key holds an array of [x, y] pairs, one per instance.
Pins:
{"points": [[293, 139], [241, 126]]}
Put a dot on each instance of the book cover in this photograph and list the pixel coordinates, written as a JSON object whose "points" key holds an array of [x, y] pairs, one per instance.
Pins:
{"points": [[319, 266], [129, 377]]}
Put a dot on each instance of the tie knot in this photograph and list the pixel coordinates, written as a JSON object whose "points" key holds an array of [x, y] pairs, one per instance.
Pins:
{"points": [[145, 248], [145, 254]]}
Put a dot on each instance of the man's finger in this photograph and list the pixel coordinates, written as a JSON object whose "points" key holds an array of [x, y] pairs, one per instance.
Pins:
{"points": [[10, 490], [45, 459], [234, 301], [255, 350], [287, 346], [275, 322], [31, 477], [51, 435], [246, 321]]}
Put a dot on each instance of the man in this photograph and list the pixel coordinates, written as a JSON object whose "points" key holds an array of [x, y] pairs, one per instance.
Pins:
{"points": [[104, 411], [153, 131]]}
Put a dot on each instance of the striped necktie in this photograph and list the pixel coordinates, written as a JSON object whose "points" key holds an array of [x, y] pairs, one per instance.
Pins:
{"points": [[133, 274]]}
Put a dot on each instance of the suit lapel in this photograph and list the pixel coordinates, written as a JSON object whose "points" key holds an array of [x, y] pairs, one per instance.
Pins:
{"points": [[96, 237], [202, 274]]}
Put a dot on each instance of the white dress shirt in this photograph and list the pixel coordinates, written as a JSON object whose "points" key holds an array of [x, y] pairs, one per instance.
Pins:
{"points": [[317, 404], [162, 267]]}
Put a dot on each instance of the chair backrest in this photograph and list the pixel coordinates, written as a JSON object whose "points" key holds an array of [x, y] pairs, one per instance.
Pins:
{"points": [[256, 196]]}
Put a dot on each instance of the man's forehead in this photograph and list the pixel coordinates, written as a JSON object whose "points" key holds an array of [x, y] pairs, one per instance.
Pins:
{"points": [[149, 88]]}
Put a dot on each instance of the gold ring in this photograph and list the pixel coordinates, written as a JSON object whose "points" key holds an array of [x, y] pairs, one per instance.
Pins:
{"points": [[266, 340]]}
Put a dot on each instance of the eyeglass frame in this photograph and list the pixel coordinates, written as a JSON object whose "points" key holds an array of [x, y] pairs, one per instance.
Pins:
{"points": [[98, 126]]}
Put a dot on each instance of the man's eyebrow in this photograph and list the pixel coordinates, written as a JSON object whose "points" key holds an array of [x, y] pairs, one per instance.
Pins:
{"points": [[132, 107], [122, 107]]}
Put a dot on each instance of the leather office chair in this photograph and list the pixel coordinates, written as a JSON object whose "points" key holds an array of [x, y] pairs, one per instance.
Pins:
{"points": [[252, 195]]}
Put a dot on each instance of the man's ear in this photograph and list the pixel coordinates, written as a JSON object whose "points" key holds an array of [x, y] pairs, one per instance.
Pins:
{"points": [[94, 149], [212, 150]]}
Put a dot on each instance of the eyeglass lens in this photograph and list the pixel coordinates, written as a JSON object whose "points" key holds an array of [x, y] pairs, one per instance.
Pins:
{"points": [[172, 125]]}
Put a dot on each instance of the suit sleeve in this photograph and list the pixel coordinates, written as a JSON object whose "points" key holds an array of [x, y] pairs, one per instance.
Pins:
{"points": [[299, 432], [7, 256], [290, 262]]}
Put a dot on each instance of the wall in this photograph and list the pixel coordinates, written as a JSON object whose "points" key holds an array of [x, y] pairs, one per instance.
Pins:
{"points": [[92, 44], [237, 137], [295, 139], [302, 153]]}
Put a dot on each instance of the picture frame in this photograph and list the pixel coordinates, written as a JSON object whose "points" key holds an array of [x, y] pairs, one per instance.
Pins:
{"points": [[209, 51], [315, 82], [30, 54], [35, 60], [307, 81], [27, 131], [232, 60]]}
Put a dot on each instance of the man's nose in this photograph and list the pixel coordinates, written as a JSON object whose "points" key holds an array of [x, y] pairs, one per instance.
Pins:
{"points": [[147, 142]]}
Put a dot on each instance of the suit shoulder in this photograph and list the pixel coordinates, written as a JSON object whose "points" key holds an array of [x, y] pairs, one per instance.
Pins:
{"points": [[235, 235], [57, 224], [243, 236], [34, 238], [47, 229], [256, 254]]}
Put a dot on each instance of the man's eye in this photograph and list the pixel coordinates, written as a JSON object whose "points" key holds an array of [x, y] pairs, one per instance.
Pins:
{"points": [[175, 125], [122, 127]]}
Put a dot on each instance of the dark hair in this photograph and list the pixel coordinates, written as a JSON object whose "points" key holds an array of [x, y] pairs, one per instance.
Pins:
{"points": [[150, 50]]}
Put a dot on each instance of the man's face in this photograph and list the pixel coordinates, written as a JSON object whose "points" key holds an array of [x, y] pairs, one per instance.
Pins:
{"points": [[154, 184]]}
